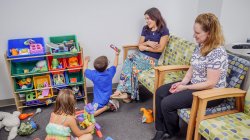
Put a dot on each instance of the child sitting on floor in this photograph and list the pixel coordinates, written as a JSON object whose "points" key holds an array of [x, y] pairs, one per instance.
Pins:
{"points": [[102, 79], [62, 120]]}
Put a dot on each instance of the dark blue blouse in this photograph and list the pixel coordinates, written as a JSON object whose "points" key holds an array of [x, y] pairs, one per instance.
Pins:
{"points": [[153, 36]]}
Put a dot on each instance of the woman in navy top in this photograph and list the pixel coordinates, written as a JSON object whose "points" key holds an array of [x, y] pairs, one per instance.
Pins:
{"points": [[154, 38]]}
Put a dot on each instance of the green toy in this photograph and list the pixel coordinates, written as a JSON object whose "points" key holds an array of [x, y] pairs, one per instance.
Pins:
{"points": [[55, 63], [27, 128]]}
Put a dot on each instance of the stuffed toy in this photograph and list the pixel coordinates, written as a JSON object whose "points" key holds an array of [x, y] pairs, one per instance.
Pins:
{"points": [[147, 115], [11, 123]]}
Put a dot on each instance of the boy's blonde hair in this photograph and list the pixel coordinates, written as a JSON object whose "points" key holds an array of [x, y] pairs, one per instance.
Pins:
{"points": [[65, 103], [210, 23]]}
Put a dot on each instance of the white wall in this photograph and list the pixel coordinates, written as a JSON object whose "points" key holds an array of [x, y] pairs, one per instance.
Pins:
{"points": [[100, 23], [235, 18], [96, 24]]}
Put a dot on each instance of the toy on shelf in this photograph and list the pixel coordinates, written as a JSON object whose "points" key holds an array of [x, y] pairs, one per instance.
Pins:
{"points": [[77, 91], [36, 49], [55, 63], [42, 84], [24, 83], [41, 66], [29, 42], [25, 116], [65, 46], [73, 80], [14, 52], [11, 123], [58, 79], [147, 115], [86, 118], [115, 48], [24, 51], [73, 61]]}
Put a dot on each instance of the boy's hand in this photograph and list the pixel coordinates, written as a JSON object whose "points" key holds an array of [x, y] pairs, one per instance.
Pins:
{"points": [[117, 53], [87, 58], [90, 128]]}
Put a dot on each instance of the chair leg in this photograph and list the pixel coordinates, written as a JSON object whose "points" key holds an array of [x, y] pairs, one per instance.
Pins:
{"points": [[192, 120], [197, 135], [154, 106]]}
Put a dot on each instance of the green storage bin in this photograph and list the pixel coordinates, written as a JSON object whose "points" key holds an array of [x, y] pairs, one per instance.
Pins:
{"points": [[21, 67], [61, 39], [75, 78], [20, 81]]}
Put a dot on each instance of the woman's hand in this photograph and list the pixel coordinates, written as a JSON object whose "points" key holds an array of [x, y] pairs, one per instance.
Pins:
{"points": [[90, 128], [152, 44], [142, 47], [177, 87]]}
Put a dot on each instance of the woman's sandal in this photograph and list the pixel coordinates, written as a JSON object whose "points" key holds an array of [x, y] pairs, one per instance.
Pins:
{"points": [[127, 100]]}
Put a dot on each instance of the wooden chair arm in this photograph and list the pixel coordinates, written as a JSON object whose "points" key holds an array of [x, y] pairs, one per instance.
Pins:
{"points": [[127, 48], [219, 93], [213, 94], [161, 70]]}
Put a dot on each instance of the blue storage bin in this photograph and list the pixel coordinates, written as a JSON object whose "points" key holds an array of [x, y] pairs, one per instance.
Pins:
{"points": [[59, 85], [19, 44]]}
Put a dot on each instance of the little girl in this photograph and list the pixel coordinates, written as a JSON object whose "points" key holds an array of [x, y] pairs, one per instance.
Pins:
{"points": [[63, 122]]}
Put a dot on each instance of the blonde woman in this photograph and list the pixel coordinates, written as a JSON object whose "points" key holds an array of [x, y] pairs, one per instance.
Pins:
{"points": [[208, 70]]}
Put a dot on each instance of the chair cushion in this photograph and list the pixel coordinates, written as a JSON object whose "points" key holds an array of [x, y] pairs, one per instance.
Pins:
{"points": [[147, 78], [185, 112], [228, 127], [177, 52]]}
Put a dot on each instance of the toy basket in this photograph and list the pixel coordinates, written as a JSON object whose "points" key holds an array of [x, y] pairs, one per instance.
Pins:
{"points": [[43, 83], [56, 81], [18, 48], [75, 78], [29, 67], [64, 51], [30, 96], [23, 83], [74, 62], [60, 66], [78, 91]]}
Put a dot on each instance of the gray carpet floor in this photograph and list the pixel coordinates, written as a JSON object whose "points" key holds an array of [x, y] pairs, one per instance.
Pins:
{"points": [[125, 124]]}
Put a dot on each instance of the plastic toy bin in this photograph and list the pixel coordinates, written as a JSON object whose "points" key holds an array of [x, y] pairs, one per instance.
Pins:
{"points": [[16, 45], [26, 67], [55, 79], [23, 83], [61, 62], [61, 39], [78, 91], [44, 84], [74, 62], [75, 78]]}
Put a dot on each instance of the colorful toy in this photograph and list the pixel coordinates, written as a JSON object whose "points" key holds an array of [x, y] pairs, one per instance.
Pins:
{"points": [[10, 122], [36, 48], [70, 45], [25, 116], [77, 91], [24, 83], [147, 115], [40, 66], [73, 80], [26, 71], [24, 51], [29, 42], [27, 128], [115, 48], [55, 63], [108, 138], [73, 61], [59, 79], [14, 52], [86, 118], [38, 110], [45, 92]]}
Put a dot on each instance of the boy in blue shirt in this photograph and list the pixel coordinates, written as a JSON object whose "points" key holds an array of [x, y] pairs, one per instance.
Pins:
{"points": [[102, 79]]}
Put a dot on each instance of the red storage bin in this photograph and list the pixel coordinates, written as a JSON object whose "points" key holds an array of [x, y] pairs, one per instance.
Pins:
{"points": [[61, 61]]}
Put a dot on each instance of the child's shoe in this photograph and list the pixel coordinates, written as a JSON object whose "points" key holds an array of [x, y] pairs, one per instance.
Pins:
{"points": [[113, 105]]}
